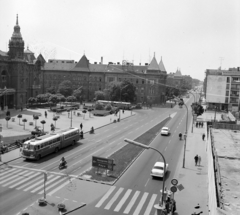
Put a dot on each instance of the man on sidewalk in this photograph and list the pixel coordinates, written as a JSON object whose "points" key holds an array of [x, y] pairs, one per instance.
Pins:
{"points": [[196, 160], [203, 136]]}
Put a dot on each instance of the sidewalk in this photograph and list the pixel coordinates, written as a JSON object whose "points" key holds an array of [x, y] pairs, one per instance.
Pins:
{"points": [[63, 122], [194, 196]]}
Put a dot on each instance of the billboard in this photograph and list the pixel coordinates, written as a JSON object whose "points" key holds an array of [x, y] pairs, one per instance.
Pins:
{"points": [[216, 89]]}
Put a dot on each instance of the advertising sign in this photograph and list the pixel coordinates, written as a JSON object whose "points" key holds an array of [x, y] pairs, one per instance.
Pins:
{"points": [[103, 163], [216, 89]]}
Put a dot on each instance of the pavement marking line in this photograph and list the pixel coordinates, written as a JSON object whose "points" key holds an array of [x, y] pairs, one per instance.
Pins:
{"points": [[16, 179], [125, 197], [146, 182], [150, 204], [114, 198], [131, 203], [34, 185], [14, 176], [61, 186], [140, 204], [30, 182], [52, 185], [108, 193], [48, 182], [26, 179], [10, 171]]}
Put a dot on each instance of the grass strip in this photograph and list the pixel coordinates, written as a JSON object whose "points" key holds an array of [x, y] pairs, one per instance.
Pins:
{"points": [[124, 156]]}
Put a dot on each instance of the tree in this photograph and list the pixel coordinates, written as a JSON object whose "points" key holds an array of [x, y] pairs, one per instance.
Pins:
{"points": [[42, 98], [19, 117], [32, 100], [35, 117], [43, 122], [51, 90], [99, 95], [55, 119], [79, 93], [60, 98], [99, 106], [108, 107], [107, 94], [65, 88], [7, 118], [53, 99], [24, 121], [71, 99]]}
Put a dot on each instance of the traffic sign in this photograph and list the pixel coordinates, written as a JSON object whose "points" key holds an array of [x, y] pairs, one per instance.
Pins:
{"points": [[174, 181], [103, 163], [173, 189]]}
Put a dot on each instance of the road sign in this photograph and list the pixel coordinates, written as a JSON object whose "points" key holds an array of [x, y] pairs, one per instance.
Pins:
{"points": [[173, 189], [174, 181], [103, 163], [180, 187]]}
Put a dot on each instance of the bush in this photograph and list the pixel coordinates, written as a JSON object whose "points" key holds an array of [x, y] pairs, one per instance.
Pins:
{"points": [[108, 107], [99, 106]]}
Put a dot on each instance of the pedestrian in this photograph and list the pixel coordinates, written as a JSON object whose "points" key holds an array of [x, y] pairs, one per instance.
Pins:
{"points": [[203, 136], [196, 160], [45, 114], [196, 124], [199, 160], [81, 126]]}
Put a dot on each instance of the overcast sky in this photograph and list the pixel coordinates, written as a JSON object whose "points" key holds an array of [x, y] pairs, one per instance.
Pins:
{"points": [[193, 35]]}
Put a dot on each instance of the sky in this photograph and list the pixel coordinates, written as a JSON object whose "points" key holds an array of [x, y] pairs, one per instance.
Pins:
{"points": [[190, 35]]}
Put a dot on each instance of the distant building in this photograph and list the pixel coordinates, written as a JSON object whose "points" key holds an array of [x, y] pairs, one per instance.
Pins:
{"points": [[177, 79], [222, 89], [23, 76]]}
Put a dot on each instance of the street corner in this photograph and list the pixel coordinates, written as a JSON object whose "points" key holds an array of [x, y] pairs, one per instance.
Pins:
{"points": [[52, 205]]}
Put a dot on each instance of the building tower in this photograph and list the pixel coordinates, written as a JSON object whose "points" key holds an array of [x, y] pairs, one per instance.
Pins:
{"points": [[16, 44]]}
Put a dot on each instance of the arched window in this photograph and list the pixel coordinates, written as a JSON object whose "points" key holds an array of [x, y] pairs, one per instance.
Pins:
{"points": [[4, 76]]}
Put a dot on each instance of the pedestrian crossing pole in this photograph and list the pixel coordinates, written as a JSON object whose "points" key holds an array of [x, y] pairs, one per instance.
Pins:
{"points": [[45, 179]]}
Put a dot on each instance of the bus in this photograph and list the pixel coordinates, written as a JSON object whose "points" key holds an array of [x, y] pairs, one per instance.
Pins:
{"points": [[125, 105], [39, 147]]}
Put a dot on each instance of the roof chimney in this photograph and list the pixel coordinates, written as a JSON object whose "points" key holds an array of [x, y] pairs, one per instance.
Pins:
{"points": [[101, 60]]}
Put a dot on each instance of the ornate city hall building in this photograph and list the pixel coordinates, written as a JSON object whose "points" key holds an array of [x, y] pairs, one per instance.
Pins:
{"points": [[23, 76]]}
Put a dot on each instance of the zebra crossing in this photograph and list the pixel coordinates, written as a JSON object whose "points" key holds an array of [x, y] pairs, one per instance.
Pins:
{"points": [[31, 181], [128, 201]]}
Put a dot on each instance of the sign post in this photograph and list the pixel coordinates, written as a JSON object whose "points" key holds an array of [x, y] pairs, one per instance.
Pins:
{"points": [[104, 163]]}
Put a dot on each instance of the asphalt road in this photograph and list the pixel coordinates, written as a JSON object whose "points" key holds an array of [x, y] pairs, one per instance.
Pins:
{"points": [[19, 188], [136, 192]]}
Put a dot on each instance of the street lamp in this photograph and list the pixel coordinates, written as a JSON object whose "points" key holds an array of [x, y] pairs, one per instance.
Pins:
{"points": [[149, 147], [121, 99]]}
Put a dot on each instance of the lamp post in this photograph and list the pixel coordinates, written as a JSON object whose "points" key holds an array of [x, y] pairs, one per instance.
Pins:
{"points": [[215, 113], [149, 147], [121, 99], [192, 110], [185, 143], [71, 119]]}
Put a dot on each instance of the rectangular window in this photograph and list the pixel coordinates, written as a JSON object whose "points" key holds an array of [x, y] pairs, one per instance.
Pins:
{"points": [[142, 81]]}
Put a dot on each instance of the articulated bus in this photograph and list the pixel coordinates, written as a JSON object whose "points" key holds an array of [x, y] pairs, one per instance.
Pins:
{"points": [[126, 105], [39, 147]]}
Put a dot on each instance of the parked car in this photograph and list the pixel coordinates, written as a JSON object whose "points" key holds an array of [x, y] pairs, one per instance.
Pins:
{"points": [[165, 131], [158, 169]]}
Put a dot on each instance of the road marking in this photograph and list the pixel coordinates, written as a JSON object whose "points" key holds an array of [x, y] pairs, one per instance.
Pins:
{"points": [[60, 187], [9, 171], [125, 197], [48, 182], [52, 185], [150, 205], [108, 206], [105, 197], [146, 182], [14, 176], [131, 203], [40, 182], [140, 205], [30, 182], [16, 179], [26, 179]]}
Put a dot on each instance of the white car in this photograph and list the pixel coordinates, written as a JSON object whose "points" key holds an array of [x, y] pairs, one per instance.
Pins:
{"points": [[165, 131], [157, 170]]}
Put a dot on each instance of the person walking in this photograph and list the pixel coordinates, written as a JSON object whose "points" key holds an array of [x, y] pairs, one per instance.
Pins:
{"points": [[45, 114], [196, 160], [203, 136], [81, 126], [197, 125], [199, 160]]}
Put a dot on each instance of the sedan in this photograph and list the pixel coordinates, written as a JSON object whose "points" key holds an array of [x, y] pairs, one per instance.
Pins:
{"points": [[158, 169], [165, 131]]}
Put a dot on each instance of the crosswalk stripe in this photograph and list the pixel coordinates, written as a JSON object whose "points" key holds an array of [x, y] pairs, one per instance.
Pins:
{"points": [[48, 182], [114, 198], [39, 177], [105, 197], [52, 185], [125, 197], [7, 174], [131, 203], [34, 185], [140, 204], [150, 204], [6, 171], [17, 179], [13, 176], [26, 179], [61, 186]]}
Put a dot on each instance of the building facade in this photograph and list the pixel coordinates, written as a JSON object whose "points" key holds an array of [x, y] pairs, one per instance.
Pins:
{"points": [[24, 76], [177, 79], [222, 89]]}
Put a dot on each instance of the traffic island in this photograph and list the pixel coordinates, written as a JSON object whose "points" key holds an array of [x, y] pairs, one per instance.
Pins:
{"points": [[53, 205]]}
